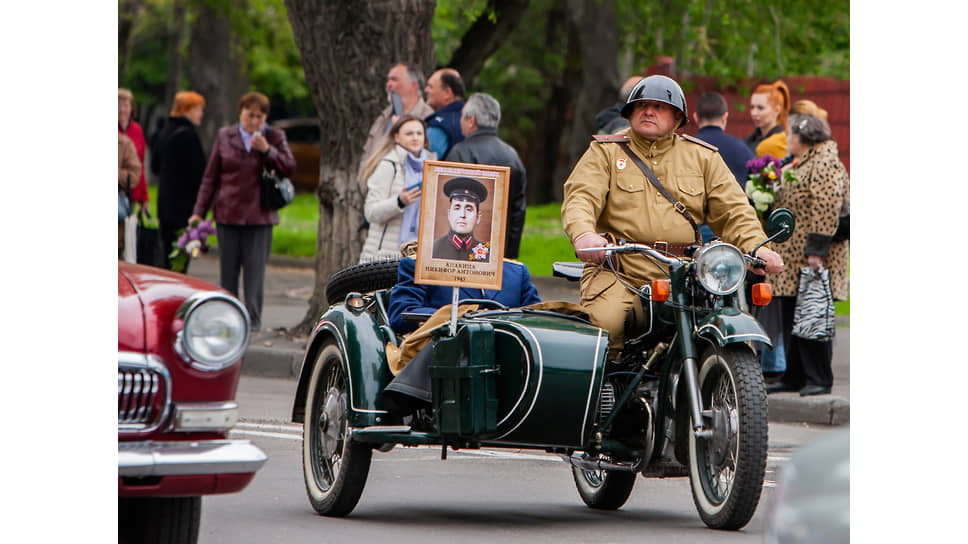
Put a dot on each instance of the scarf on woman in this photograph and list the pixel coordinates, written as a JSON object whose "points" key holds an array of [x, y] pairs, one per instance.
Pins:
{"points": [[413, 174]]}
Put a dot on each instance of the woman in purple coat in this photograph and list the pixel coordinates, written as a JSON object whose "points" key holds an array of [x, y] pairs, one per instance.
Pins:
{"points": [[232, 183]]}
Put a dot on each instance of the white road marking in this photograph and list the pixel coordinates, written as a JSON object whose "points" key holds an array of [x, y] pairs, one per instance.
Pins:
{"points": [[284, 436], [294, 432]]}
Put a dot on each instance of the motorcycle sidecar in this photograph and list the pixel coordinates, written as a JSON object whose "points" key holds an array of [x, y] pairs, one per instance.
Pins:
{"points": [[520, 378]]}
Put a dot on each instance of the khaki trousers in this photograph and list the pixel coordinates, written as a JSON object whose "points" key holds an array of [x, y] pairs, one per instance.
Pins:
{"points": [[607, 303]]}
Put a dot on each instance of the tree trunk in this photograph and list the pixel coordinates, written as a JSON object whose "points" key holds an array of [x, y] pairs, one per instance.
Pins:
{"points": [[128, 13], [485, 36], [592, 26], [175, 63], [218, 69], [347, 49]]}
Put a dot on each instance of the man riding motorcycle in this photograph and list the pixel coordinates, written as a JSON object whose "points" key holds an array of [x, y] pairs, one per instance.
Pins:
{"points": [[609, 193]]}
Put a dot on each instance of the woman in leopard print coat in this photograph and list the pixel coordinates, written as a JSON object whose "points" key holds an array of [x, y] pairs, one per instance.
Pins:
{"points": [[816, 201]]}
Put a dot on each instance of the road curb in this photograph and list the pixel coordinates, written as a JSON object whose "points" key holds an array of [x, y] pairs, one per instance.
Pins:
{"points": [[267, 362], [820, 410]]}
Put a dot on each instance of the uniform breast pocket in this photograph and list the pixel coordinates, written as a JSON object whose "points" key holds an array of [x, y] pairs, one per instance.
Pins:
{"points": [[629, 181], [691, 185], [692, 192]]}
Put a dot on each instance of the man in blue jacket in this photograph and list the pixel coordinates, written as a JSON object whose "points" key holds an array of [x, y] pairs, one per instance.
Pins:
{"points": [[410, 389], [711, 113], [445, 94]]}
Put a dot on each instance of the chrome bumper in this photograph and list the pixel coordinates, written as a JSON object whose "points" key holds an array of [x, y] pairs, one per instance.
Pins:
{"points": [[141, 459]]}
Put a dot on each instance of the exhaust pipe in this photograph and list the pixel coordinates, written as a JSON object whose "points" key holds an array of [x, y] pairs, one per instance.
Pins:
{"points": [[587, 462]]}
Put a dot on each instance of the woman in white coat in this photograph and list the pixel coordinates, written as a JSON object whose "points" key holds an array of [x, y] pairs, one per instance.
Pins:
{"points": [[393, 175]]}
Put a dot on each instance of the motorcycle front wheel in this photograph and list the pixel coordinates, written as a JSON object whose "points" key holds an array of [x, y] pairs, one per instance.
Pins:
{"points": [[726, 469], [334, 467]]}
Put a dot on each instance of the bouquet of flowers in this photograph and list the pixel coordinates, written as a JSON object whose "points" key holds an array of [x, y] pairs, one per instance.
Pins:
{"points": [[763, 181], [193, 241]]}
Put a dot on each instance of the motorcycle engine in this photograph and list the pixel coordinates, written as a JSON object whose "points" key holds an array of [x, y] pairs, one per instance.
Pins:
{"points": [[607, 403]]}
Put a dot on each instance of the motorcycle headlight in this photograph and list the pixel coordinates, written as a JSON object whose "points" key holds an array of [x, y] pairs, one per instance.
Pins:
{"points": [[215, 333], [720, 268]]}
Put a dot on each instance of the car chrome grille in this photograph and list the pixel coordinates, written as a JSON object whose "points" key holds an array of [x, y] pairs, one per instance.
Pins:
{"points": [[143, 394]]}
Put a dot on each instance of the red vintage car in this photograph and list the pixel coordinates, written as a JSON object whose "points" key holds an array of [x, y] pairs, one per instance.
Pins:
{"points": [[180, 347]]}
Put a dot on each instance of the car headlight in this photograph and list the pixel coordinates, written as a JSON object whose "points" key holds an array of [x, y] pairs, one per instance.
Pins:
{"points": [[215, 332], [720, 268]]}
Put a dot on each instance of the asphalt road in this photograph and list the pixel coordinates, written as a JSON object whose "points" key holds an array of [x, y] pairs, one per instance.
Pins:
{"points": [[474, 496]]}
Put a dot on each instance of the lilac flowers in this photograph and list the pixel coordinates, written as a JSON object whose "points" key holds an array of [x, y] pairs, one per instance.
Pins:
{"points": [[193, 240]]}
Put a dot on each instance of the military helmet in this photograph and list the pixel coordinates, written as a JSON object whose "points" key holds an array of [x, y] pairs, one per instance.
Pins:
{"points": [[660, 89]]}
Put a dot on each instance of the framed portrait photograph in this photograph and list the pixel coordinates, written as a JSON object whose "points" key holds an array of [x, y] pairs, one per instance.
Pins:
{"points": [[462, 224]]}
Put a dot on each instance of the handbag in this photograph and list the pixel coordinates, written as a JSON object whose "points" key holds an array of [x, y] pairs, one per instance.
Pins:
{"points": [[277, 191], [813, 315], [150, 249]]}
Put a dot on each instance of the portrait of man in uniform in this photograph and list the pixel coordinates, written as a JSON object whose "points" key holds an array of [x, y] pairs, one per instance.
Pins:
{"points": [[464, 196], [462, 225]]}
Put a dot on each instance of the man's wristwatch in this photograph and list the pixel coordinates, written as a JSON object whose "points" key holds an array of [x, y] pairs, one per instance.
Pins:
{"points": [[400, 203]]}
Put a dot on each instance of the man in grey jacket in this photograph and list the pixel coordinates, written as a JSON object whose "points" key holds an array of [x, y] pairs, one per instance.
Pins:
{"points": [[481, 145]]}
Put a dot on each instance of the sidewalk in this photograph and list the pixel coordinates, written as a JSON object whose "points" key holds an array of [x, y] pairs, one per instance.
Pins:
{"points": [[289, 284]]}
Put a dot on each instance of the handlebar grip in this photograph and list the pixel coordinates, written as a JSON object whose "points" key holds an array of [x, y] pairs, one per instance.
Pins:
{"points": [[758, 263]]}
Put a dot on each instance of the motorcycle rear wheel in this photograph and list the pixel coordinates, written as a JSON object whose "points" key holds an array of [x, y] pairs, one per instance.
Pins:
{"points": [[726, 471], [603, 489], [334, 467]]}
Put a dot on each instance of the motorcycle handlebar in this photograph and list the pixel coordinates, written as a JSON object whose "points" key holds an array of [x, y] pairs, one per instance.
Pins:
{"points": [[753, 261], [631, 248]]}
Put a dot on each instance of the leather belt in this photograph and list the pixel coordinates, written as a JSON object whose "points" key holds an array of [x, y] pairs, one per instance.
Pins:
{"points": [[679, 250]]}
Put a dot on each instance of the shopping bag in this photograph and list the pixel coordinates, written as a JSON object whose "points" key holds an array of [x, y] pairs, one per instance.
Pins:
{"points": [[813, 315], [150, 250], [130, 239]]}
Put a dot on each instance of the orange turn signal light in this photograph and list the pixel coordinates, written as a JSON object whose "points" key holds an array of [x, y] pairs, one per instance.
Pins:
{"points": [[762, 294], [661, 290]]}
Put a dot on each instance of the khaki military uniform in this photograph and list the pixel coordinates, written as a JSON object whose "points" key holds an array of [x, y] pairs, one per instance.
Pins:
{"points": [[607, 193]]}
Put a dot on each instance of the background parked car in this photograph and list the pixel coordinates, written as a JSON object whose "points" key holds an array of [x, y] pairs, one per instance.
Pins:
{"points": [[180, 347], [303, 137]]}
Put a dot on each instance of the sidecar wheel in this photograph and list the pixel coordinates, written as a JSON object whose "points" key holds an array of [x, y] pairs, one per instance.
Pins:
{"points": [[334, 467], [603, 489], [363, 278], [726, 470]]}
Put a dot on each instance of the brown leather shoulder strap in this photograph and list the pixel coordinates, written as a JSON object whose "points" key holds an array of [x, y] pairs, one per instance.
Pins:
{"points": [[679, 206]]}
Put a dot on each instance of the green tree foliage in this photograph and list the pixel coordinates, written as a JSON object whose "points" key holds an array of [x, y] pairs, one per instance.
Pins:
{"points": [[273, 59], [520, 73], [736, 39]]}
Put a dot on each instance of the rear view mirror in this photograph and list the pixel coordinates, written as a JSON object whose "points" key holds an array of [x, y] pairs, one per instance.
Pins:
{"points": [[779, 225]]}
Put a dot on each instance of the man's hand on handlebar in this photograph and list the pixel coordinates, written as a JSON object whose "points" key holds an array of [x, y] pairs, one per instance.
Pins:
{"points": [[774, 263], [587, 240]]}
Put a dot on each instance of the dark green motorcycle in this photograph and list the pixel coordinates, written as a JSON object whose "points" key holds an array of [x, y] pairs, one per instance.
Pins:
{"points": [[686, 398]]}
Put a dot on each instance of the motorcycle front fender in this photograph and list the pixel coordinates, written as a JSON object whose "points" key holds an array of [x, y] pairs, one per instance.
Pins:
{"points": [[730, 325]]}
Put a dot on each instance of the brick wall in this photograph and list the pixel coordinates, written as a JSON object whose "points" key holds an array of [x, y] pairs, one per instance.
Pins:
{"points": [[830, 94]]}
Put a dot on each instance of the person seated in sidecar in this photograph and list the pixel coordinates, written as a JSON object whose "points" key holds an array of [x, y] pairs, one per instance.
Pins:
{"points": [[410, 389], [409, 297]]}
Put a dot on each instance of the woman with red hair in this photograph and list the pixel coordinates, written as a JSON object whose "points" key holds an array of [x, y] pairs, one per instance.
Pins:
{"points": [[769, 106], [179, 161]]}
